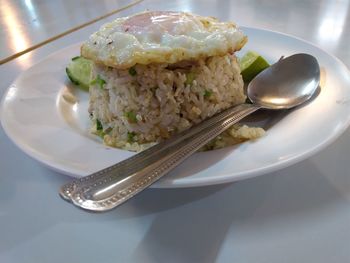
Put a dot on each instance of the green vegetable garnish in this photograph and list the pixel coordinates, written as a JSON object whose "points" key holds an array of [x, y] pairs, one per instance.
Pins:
{"points": [[132, 71], [71, 78], [131, 116], [99, 126], [207, 93], [189, 78], [131, 136], [252, 64], [79, 71], [98, 81], [101, 133]]}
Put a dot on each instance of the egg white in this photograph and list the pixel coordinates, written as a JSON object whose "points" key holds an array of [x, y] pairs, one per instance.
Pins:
{"points": [[161, 37]]}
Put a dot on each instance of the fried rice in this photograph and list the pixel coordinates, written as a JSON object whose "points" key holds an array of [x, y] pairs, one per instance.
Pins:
{"points": [[137, 107]]}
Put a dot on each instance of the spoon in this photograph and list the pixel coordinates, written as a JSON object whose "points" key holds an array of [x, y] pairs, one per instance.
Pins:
{"points": [[286, 84]]}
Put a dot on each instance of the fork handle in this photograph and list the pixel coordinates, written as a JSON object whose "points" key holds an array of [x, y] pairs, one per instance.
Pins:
{"points": [[114, 189]]}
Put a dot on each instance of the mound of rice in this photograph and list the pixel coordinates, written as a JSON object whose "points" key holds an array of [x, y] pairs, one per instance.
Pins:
{"points": [[136, 108]]}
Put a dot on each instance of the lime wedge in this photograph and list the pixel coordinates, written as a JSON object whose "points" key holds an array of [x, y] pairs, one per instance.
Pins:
{"points": [[79, 71], [252, 64]]}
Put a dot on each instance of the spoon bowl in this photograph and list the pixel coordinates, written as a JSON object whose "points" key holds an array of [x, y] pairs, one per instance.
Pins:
{"points": [[286, 84]]}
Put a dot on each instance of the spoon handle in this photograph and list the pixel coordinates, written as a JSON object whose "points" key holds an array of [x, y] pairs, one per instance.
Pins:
{"points": [[142, 159], [114, 186]]}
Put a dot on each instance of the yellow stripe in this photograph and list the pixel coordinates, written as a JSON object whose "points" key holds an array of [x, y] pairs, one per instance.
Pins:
{"points": [[67, 32]]}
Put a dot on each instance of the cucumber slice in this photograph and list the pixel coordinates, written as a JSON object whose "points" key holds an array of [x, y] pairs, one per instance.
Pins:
{"points": [[79, 71], [252, 64]]}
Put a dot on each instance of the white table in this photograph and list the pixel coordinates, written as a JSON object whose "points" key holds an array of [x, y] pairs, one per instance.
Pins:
{"points": [[298, 214], [26, 24]]}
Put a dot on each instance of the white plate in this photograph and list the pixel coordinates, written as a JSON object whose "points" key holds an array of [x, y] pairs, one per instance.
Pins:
{"points": [[40, 122]]}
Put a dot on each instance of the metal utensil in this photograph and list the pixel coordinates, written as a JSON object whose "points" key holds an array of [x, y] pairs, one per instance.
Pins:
{"points": [[286, 84]]}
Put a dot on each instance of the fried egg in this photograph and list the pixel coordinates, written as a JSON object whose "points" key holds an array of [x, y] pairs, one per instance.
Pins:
{"points": [[161, 37]]}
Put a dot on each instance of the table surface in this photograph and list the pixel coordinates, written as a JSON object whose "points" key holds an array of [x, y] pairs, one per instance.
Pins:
{"points": [[298, 214]]}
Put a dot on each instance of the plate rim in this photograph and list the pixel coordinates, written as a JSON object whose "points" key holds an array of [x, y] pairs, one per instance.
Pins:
{"points": [[188, 182]]}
